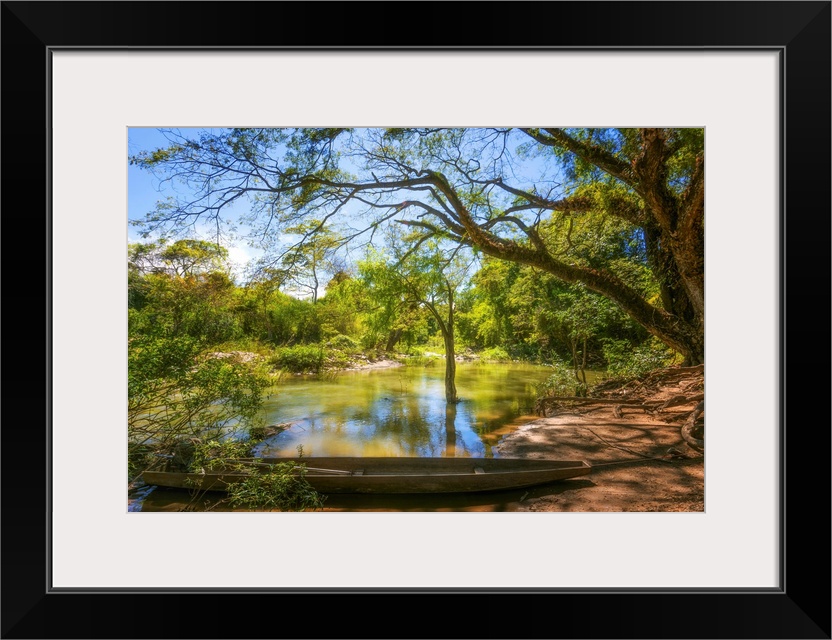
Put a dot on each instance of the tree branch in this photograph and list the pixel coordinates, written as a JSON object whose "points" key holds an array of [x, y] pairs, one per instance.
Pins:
{"points": [[591, 153], [693, 199]]}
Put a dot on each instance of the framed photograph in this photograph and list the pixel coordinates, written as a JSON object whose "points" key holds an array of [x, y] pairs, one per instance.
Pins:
{"points": [[753, 76]]}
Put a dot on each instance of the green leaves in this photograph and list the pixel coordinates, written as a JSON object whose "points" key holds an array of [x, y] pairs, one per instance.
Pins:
{"points": [[176, 390], [148, 159], [280, 486], [587, 205]]}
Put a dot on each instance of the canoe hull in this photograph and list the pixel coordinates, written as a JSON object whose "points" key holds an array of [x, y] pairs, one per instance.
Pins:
{"points": [[397, 475]]}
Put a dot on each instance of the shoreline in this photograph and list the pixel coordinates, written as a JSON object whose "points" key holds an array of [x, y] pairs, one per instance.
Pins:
{"points": [[640, 460]]}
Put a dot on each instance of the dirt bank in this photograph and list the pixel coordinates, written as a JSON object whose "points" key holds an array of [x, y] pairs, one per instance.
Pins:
{"points": [[637, 428], [364, 363]]}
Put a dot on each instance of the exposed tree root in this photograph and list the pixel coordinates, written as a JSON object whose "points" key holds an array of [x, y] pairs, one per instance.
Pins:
{"points": [[679, 400], [691, 430]]}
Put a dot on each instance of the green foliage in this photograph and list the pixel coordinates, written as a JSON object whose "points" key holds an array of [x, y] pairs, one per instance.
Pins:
{"points": [[629, 362], [495, 354], [434, 349], [185, 257], [301, 358], [218, 454], [342, 309], [336, 359], [202, 307], [307, 263], [395, 316], [177, 391], [312, 358], [276, 318], [281, 486], [294, 321], [418, 360], [562, 382], [619, 210], [533, 315], [344, 343]]}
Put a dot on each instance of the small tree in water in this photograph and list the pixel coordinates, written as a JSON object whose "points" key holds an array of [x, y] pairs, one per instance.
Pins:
{"points": [[422, 272]]}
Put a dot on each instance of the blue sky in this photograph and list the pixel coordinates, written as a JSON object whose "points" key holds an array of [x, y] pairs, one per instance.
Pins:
{"points": [[144, 190]]}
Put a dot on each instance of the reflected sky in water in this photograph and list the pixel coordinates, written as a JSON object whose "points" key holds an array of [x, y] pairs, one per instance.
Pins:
{"points": [[402, 411]]}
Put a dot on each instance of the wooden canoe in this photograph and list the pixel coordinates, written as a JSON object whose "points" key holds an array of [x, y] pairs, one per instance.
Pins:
{"points": [[394, 475]]}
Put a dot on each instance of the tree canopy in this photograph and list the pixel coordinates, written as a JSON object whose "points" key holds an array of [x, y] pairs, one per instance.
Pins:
{"points": [[618, 211]]}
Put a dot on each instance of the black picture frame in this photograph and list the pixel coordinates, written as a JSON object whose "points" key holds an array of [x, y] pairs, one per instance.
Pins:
{"points": [[800, 608]]}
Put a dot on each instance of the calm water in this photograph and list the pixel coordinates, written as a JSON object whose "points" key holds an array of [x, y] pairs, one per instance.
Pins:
{"points": [[402, 411], [392, 412]]}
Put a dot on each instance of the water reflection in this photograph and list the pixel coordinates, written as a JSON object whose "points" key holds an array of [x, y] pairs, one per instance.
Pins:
{"points": [[402, 411], [450, 430]]}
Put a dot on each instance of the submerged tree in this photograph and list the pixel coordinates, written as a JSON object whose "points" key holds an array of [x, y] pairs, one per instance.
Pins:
{"points": [[495, 190], [424, 275]]}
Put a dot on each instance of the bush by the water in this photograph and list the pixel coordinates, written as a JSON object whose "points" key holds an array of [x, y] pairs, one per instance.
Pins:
{"points": [[495, 354], [280, 486], [301, 358], [344, 343], [562, 382], [312, 358], [627, 361]]}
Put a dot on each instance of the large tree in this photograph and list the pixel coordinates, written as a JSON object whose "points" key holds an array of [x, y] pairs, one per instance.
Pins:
{"points": [[496, 190], [186, 257], [307, 263]]}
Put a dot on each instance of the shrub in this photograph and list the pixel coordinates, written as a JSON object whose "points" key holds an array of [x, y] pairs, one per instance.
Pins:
{"points": [[344, 343], [422, 361], [280, 486], [495, 354], [336, 359], [562, 382], [626, 361], [177, 392], [301, 358], [214, 454]]}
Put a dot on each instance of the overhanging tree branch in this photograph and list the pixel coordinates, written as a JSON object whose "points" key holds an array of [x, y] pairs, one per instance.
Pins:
{"points": [[589, 152]]}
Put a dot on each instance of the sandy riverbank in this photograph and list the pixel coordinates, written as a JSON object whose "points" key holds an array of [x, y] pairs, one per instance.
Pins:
{"points": [[605, 432]]}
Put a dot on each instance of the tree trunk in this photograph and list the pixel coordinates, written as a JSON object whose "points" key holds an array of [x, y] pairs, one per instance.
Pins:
{"points": [[446, 326], [450, 369], [684, 336], [450, 366], [268, 319], [450, 430], [578, 367], [314, 286], [393, 339], [450, 353]]}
